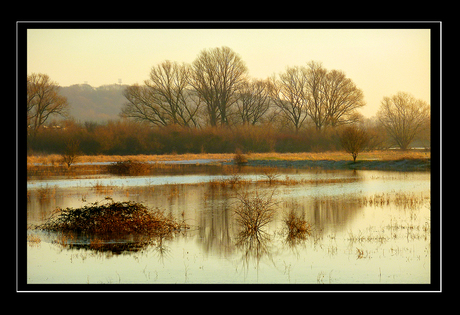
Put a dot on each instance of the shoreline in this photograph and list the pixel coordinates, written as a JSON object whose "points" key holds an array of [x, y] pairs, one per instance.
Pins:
{"points": [[413, 160], [403, 165]]}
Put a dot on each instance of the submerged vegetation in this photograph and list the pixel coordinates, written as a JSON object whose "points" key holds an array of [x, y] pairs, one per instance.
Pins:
{"points": [[103, 222], [297, 227], [254, 211], [129, 167], [111, 218]]}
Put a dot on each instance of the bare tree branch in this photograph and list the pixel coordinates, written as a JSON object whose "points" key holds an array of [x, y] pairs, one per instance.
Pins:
{"points": [[165, 99], [403, 117], [43, 100], [216, 77]]}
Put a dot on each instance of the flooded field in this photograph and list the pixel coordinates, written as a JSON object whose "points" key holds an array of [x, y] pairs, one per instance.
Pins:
{"points": [[352, 227]]}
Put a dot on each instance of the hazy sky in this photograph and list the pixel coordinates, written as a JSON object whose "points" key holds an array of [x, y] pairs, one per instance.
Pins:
{"points": [[381, 62]]}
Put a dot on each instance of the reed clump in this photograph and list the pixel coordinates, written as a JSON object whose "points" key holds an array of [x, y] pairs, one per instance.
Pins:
{"points": [[239, 158], [297, 228], [126, 217], [129, 167]]}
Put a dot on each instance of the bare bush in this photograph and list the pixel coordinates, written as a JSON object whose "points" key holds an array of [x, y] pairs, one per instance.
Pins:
{"points": [[239, 158], [71, 152], [272, 173], [354, 140], [254, 211]]}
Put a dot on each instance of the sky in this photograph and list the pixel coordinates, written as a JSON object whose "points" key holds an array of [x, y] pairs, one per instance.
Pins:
{"points": [[381, 62]]}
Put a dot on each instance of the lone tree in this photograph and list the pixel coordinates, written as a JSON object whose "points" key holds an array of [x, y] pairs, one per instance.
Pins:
{"points": [[71, 152], [43, 100], [403, 117], [354, 140]]}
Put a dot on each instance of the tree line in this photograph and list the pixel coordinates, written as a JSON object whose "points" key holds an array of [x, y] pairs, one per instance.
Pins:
{"points": [[212, 105], [215, 90]]}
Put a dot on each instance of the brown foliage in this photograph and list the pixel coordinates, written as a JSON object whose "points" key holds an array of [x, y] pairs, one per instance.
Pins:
{"points": [[129, 168], [111, 218], [354, 140]]}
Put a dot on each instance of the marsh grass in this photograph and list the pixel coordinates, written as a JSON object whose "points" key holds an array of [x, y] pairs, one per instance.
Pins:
{"points": [[103, 189], [46, 193], [33, 240], [391, 155], [272, 173], [396, 229], [401, 200], [239, 158], [297, 228]]}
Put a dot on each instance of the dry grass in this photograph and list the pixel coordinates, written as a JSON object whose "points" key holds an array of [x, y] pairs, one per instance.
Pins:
{"points": [[33, 240], [54, 159], [297, 227], [386, 155], [46, 193], [402, 200]]}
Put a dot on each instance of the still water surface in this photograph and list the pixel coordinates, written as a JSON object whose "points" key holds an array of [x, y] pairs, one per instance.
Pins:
{"points": [[352, 240]]}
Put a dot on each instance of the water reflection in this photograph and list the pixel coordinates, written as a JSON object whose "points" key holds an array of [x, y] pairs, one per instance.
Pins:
{"points": [[332, 212], [215, 224], [253, 246], [211, 213], [296, 229], [309, 228]]}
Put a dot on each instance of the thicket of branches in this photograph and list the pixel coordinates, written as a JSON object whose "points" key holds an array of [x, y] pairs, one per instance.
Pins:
{"points": [[215, 90], [124, 137]]}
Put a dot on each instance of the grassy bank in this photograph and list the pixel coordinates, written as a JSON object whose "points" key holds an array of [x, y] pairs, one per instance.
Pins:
{"points": [[52, 165], [383, 155], [373, 160]]}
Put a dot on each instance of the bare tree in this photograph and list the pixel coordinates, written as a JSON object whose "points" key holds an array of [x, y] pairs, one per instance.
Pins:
{"points": [[165, 99], [327, 97], [71, 152], [216, 77], [43, 100], [315, 93], [253, 101], [141, 106], [342, 99], [403, 117], [354, 140], [289, 95], [332, 97]]}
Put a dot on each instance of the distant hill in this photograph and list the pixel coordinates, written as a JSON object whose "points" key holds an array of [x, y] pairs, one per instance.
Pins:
{"points": [[98, 104]]}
